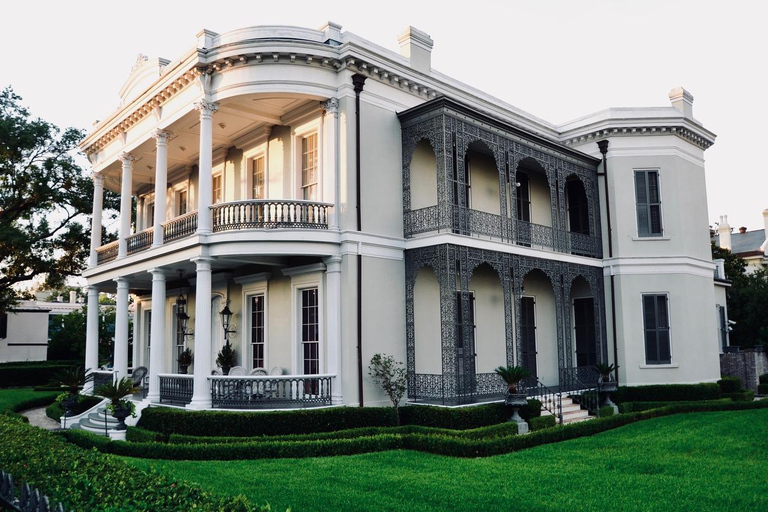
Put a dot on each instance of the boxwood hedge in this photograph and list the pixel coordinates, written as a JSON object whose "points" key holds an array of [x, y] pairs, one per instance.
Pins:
{"points": [[667, 393], [87, 480], [34, 373]]}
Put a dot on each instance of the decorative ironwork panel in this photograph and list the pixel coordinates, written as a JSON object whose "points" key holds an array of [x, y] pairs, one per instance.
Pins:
{"points": [[102, 377], [265, 392], [140, 241], [423, 220], [180, 227], [534, 235], [176, 388], [426, 387]]}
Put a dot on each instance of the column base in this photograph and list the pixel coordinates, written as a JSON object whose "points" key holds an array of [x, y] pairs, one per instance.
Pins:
{"points": [[152, 399], [200, 404]]}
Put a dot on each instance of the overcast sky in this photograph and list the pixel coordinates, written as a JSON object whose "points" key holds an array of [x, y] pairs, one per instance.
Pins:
{"points": [[557, 60]]}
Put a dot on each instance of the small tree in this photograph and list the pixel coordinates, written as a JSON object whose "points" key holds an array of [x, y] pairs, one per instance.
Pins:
{"points": [[391, 376]]}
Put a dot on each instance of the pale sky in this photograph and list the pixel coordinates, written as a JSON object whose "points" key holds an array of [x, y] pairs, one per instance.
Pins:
{"points": [[557, 60]]}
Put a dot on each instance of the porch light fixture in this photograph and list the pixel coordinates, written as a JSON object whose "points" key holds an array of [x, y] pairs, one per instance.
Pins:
{"points": [[181, 306], [226, 318]]}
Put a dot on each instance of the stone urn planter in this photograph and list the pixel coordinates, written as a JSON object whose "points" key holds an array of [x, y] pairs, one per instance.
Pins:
{"points": [[69, 405], [121, 411]]}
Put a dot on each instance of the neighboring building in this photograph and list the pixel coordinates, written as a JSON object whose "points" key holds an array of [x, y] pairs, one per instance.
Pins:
{"points": [[342, 200], [751, 246]]}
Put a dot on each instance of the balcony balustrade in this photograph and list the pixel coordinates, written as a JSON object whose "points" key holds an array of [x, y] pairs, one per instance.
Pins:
{"points": [[140, 241], [267, 391], [176, 388], [107, 252], [180, 227], [269, 214]]}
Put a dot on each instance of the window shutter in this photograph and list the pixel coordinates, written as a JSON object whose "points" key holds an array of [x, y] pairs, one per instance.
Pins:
{"points": [[648, 201], [3, 325]]}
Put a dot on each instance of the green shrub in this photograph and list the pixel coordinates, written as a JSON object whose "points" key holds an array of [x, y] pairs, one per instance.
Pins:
{"points": [[140, 435], [667, 393], [741, 396], [247, 424], [86, 480], [607, 411], [644, 406], [729, 384], [30, 374], [542, 422], [55, 411]]}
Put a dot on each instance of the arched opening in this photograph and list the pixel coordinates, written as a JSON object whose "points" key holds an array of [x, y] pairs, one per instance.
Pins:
{"points": [[423, 176], [426, 320], [538, 327], [533, 201], [577, 205], [583, 312], [482, 179], [490, 332]]}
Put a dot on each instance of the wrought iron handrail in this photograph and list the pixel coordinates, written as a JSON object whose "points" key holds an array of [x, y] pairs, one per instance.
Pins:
{"points": [[180, 227], [586, 394], [107, 252], [176, 388], [269, 214], [265, 391], [140, 241], [551, 400]]}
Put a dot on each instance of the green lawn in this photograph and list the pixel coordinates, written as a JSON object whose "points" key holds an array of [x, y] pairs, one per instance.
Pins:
{"points": [[11, 398], [703, 461]]}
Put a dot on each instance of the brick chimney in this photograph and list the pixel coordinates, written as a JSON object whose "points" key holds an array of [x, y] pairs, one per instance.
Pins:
{"points": [[724, 232], [416, 46]]}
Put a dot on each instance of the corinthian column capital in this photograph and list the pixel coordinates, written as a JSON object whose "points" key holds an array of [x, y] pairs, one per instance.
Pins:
{"points": [[161, 136], [331, 105], [206, 108], [127, 158]]}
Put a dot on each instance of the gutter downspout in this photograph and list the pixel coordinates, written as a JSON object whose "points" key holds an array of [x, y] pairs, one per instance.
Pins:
{"points": [[358, 81], [603, 145]]}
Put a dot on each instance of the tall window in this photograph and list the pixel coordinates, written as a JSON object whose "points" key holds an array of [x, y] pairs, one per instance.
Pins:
{"points": [[257, 178], [723, 325], [148, 335], [179, 333], [523, 192], [465, 333], [309, 167], [257, 331], [656, 324], [310, 331], [584, 331], [648, 201], [528, 334], [217, 189], [183, 203]]}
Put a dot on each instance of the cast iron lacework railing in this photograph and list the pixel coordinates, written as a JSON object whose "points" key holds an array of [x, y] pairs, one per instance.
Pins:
{"points": [[466, 221], [180, 227], [550, 399], [270, 213], [30, 499], [581, 385], [107, 252], [176, 388], [265, 392], [101, 377], [140, 241], [426, 386]]}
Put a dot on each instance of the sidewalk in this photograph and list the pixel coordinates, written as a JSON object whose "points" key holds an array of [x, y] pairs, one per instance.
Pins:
{"points": [[38, 418]]}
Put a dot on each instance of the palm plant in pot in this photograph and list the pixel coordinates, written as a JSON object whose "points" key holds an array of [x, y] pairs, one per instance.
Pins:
{"points": [[512, 375], [226, 358], [116, 392], [185, 359], [71, 379]]}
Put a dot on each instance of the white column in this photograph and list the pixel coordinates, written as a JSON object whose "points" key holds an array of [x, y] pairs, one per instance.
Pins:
{"points": [[98, 208], [205, 167], [125, 203], [92, 335], [331, 163], [333, 321], [201, 397], [120, 361], [161, 184], [157, 335]]}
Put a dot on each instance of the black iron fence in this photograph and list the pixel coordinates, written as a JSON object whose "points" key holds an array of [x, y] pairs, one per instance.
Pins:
{"points": [[264, 392], [29, 499], [176, 388]]}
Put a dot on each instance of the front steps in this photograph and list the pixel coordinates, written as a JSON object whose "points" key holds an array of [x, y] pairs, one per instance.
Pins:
{"points": [[94, 422], [572, 412]]}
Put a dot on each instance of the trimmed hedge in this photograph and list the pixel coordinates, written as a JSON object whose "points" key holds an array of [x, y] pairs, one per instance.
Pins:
{"points": [[741, 396], [55, 411], [542, 422], [167, 421], [729, 384], [667, 393], [607, 411], [644, 406], [87, 480], [461, 444], [30, 374]]}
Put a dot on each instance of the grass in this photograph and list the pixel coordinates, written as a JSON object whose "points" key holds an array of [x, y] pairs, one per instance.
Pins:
{"points": [[16, 399], [702, 461]]}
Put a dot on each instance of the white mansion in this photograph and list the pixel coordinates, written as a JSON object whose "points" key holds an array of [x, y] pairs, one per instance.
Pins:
{"points": [[343, 200]]}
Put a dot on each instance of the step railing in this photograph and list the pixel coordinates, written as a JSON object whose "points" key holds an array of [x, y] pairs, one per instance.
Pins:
{"points": [[550, 399], [579, 385]]}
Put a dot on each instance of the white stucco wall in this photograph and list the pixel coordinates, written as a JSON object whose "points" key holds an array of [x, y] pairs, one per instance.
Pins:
{"points": [[538, 286], [423, 176], [27, 336], [490, 334], [484, 178]]}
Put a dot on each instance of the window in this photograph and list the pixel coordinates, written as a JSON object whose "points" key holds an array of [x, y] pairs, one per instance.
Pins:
{"points": [[465, 333], [182, 202], [648, 203], [723, 326], [584, 331], [309, 167], [257, 178], [217, 189], [150, 209], [528, 334], [257, 331], [310, 331], [179, 333], [148, 335], [3, 325], [523, 192], [656, 324]]}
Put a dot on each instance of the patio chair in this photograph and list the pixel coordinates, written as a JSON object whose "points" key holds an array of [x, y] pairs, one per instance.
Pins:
{"points": [[258, 371], [138, 377]]}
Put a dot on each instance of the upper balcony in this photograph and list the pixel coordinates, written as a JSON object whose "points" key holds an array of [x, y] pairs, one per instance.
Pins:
{"points": [[466, 173]]}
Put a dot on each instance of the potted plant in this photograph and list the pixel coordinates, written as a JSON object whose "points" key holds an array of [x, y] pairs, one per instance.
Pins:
{"points": [[605, 385], [512, 375], [118, 406], [71, 379], [184, 360], [226, 358]]}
